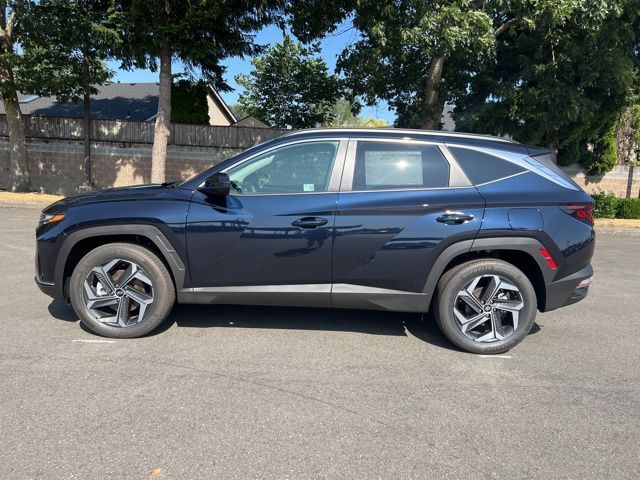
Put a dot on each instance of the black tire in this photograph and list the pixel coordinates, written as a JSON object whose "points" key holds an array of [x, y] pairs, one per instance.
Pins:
{"points": [[153, 268], [457, 279]]}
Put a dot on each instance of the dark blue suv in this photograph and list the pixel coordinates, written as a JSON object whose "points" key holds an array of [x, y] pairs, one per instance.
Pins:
{"points": [[483, 231]]}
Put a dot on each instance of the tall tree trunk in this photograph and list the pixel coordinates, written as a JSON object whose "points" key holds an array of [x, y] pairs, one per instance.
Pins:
{"points": [[86, 124], [18, 156], [163, 119], [433, 96]]}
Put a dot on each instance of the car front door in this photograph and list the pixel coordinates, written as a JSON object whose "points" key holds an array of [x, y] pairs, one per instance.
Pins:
{"points": [[270, 240], [400, 204]]}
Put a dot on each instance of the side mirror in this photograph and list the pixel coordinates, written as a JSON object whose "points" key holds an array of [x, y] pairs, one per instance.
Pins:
{"points": [[218, 184]]}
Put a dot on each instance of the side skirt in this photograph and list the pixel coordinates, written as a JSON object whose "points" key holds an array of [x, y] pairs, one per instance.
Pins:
{"points": [[340, 295]]}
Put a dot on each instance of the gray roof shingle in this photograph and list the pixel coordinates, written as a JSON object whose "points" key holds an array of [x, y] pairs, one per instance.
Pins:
{"points": [[114, 101]]}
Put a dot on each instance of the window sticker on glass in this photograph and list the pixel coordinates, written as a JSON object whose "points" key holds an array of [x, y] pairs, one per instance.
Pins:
{"points": [[393, 167], [309, 187]]}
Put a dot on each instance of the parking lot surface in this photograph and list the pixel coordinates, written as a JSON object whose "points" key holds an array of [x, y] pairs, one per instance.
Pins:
{"points": [[238, 392]]}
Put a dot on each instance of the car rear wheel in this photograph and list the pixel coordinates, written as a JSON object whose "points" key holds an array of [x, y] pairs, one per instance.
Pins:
{"points": [[485, 306], [121, 290]]}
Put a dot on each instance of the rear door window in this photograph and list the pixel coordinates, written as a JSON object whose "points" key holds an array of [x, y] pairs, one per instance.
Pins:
{"points": [[481, 167], [398, 166]]}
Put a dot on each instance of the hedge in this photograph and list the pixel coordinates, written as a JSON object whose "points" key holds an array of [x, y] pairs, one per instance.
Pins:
{"points": [[608, 205]]}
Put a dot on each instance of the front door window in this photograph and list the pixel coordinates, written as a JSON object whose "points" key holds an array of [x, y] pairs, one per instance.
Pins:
{"points": [[299, 168]]}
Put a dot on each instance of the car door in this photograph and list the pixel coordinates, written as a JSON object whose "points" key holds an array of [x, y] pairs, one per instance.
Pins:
{"points": [[401, 203], [270, 240]]}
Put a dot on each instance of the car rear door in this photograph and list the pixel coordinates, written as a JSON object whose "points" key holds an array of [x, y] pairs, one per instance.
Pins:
{"points": [[270, 240], [401, 203]]}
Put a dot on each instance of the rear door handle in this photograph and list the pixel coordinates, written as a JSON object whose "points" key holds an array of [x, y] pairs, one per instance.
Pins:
{"points": [[310, 222], [454, 218]]}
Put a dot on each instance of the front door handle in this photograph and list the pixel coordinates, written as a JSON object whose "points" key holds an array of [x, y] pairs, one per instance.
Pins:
{"points": [[454, 218], [310, 222]]}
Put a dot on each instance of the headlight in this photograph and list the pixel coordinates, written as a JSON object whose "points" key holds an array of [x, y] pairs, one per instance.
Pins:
{"points": [[46, 218]]}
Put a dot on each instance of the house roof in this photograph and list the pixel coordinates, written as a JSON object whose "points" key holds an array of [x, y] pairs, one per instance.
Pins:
{"points": [[114, 101]]}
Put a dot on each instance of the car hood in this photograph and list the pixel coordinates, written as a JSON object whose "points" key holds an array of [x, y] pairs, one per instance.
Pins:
{"points": [[138, 192]]}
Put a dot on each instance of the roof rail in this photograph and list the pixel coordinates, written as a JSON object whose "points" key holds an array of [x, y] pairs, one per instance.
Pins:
{"points": [[439, 133]]}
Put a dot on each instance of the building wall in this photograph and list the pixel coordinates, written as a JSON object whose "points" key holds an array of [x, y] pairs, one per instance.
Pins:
{"points": [[216, 116], [57, 166], [622, 180]]}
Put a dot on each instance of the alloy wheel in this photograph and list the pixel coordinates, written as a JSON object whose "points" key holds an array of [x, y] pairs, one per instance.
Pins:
{"points": [[118, 293], [488, 308]]}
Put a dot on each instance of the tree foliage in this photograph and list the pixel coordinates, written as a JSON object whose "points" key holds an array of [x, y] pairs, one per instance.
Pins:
{"points": [[561, 78], [345, 114], [64, 46], [200, 34], [189, 102], [290, 87], [552, 73]]}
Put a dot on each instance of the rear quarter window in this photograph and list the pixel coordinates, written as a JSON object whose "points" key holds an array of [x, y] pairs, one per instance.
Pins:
{"points": [[481, 167]]}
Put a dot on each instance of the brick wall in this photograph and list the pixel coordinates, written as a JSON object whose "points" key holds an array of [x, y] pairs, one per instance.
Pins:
{"points": [[622, 180], [57, 166]]}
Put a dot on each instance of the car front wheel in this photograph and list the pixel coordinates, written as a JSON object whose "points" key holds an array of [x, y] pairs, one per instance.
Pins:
{"points": [[121, 290], [485, 306]]}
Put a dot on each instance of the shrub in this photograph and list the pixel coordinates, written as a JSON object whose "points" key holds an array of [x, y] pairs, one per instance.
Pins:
{"points": [[605, 155], [606, 205], [628, 208]]}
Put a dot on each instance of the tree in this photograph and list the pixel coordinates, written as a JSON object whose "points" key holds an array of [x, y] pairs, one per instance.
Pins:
{"points": [[553, 73], [199, 33], [404, 48], [290, 87], [9, 36], [189, 102], [345, 114], [66, 43], [560, 79], [48, 47]]}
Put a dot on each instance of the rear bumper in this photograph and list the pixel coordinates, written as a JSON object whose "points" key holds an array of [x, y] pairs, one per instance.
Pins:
{"points": [[568, 290]]}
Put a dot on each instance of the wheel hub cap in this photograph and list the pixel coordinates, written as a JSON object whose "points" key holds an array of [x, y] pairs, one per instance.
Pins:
{"points": [[488, 308], [118, 293]]}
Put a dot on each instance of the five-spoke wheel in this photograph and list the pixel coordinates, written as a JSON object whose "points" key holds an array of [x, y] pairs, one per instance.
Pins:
{"points": [[118, 293], [485, 306], [488, 308], [121, 290]]}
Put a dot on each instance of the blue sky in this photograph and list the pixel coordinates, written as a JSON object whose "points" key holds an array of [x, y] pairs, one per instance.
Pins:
{"points": [[331, 47]]}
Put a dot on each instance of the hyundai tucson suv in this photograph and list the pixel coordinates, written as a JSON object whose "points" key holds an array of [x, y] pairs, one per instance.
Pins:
{"points": [[482, 231]]}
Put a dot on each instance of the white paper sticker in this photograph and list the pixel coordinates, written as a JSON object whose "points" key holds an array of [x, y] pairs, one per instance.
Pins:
{"points": [[309, 187], [393, 167]]}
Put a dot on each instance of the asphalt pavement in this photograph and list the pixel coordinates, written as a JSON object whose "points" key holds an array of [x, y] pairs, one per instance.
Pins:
{"points": [[237, 392]]}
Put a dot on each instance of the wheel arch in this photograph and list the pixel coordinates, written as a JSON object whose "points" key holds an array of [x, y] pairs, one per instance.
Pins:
{"points": [[81, 242], [521, 252]]}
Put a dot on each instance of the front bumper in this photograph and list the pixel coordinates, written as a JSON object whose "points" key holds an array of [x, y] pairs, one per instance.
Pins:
{"points": [[48, 288], [568, 290]]}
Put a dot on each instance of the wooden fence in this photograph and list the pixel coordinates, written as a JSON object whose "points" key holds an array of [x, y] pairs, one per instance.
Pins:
{"points": [[125, 131]]}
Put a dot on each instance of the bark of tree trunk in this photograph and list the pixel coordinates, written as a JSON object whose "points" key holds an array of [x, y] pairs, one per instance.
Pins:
{"points": [[163, 119], [18, 156], [86, 124], [434, 98], [86, 137]]}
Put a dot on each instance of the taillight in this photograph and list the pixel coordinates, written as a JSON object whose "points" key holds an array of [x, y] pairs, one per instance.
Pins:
{"points": [[547, 256], [584, 213]]}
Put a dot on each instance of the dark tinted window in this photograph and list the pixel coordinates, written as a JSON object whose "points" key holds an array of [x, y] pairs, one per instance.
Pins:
{"points": [[390, 166], [481, 167]]}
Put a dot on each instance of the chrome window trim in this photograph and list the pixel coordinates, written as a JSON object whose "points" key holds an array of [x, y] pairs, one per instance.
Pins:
{"points": [[521, 160], [336, 170], [455, 170]]}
